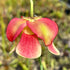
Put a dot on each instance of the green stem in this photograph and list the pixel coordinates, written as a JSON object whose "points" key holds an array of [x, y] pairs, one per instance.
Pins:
{"points": [[31, 8], [41, 66]]}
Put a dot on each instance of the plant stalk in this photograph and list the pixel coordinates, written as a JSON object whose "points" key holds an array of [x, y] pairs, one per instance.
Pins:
{"points": [[31, 8], [41, 66]]}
